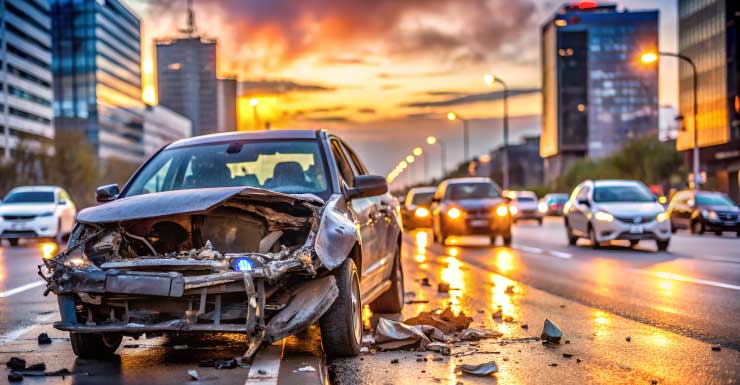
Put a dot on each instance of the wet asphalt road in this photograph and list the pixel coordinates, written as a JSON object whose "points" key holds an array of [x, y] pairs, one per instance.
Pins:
{"points": [[672, 304]]}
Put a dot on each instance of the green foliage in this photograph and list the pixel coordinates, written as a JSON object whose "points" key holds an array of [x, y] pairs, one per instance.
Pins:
{"points": [[646, 159]]}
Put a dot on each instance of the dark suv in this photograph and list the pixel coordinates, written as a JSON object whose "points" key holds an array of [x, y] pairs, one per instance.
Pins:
{"points": [[704, 211], [260, 233], [470, 206]]}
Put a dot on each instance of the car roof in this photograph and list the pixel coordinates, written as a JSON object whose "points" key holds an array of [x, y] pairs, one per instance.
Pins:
{"points": [[475, 179], [615, 182], [246, 135], [35, 188], [424, 189]]}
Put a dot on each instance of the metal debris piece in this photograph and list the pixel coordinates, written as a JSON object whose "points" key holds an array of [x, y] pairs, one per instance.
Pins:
{"points": [[193, 375], [484, 369], [498, 313], [409, 294], [567, 355], [16, 363], [508, 318], [43, 339], [394, 361], [478, 334], [226, 364], [415, 301], [40, 367], [180, 347], [364, 349], [439, 347], [307, 368], [509, 289], [15, 377], [653, 382], [391, 334], [130, 346], [40, 373], [578, 360], [425, 282], [628, 338], [443, 287], [567, 342], [716, 347], [551, 332], [553, 364], [525, 326], [446, 321]]}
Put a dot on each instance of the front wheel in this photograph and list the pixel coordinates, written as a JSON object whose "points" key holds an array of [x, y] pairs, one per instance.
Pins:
{"points": [[572, 239], [592, 236], [663, 245], [506, 237], [392, 300], [13, 242], [341, 325], [88, 345], [697, 228]]}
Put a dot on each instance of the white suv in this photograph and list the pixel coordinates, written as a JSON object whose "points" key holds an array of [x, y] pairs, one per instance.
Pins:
{"points": [[607, 210], [36, 212]]}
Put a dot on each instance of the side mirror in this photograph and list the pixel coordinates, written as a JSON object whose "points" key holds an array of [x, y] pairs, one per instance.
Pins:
{"points": [[367, 186], [62, 202], [106, 193], [584, 201]]}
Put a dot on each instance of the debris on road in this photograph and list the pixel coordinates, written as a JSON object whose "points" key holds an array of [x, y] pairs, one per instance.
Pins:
{"points": [[415, 301], [509, 289], [15, 377], [219, 364], [716, 347], [307, 368], [525, 326], [40, 373], [551, 332], [40, 367], [193, 375], [425, 282], [443, 287], [628, 338], [394, 361], [391, 335], [568, 355], [446, 321], [439, 347], [484, 369], [43, 339], [180, 347], [498, 313], [478, 334], [16, 363]]}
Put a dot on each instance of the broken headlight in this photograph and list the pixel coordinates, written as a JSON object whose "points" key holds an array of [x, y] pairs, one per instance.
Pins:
{"points": [[245, 263]]}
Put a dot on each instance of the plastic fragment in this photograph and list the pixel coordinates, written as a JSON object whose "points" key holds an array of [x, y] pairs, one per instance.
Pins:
{"points": [[551, 332], [43, 339], [484, 369], [193, 375]]}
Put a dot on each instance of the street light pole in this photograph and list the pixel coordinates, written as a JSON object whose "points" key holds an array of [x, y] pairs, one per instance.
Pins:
{"points": [[442, 153], [490, 79], [652, 57], [451, 116]]}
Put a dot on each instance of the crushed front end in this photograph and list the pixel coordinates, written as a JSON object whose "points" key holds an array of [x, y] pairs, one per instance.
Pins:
{"points": [[245, 264]]}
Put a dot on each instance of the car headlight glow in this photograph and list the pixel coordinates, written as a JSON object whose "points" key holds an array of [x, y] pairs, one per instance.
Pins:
{"points": [[454, 213], [709, 214], [662, 217], [502, 211], [542, 207], [421, 212], [513, 210], [243, 264], [604, 216]]}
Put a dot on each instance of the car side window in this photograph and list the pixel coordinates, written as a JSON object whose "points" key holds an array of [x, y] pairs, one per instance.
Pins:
{"points": [[357, 166], [344, 168], [583, 194]]}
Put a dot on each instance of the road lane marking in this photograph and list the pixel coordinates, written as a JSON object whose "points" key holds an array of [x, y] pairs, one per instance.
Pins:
{"points": [[265, 367], [528, 249], [681, 278], [14, 335], [21, 289], [560, 254]]}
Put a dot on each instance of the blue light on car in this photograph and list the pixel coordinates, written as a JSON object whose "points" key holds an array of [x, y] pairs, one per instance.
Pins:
{"points": [[243, 264]]}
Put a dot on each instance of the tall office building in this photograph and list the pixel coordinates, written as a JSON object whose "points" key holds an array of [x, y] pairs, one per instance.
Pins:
{"points": [[25, 74], [163, 126], [709, 34], [186, 80], [227, 104], [596, 94], [97, 75]]}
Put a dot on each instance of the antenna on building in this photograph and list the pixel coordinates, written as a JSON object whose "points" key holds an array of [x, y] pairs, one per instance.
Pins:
{"points": [[190, 29]]}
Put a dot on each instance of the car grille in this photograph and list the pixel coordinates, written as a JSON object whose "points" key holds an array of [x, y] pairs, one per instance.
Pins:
{"points": [[727, 216], [635, 219], [18, 217], [18, 234], [477, 213]]}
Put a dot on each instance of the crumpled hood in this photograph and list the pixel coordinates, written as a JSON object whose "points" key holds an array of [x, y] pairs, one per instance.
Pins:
{"points": [[631, 209], [26, 208], [190, 201]]}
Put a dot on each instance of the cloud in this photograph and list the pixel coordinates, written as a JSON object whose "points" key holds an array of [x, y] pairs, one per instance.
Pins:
{"points": [[468, 99], [272, 87], [366, 110], [330, 119]]}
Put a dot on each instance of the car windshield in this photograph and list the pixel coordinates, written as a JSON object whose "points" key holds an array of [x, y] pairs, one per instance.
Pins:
{"points": [[525, 199], [557, 199], [422, 198], [284, 166], [623, 193], [30, 197], [713, 200], [459, 191]]}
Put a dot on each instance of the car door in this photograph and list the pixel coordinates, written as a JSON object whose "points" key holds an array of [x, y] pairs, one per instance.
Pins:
{"points": [[367, 215], [579, 213]]}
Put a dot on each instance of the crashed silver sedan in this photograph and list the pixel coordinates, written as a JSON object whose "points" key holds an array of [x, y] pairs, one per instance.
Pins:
{"points": [[261, 234]]}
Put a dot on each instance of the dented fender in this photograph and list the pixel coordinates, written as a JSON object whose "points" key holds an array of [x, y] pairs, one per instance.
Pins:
{"points": [[336, 236]]}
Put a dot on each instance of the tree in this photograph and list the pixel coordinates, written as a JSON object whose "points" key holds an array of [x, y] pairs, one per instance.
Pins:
{"points": [[73, 166]]}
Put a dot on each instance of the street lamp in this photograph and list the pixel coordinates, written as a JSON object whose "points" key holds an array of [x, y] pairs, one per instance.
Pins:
{"points": [[490, 80], [451, 116], [431, 140], [652, 57]]}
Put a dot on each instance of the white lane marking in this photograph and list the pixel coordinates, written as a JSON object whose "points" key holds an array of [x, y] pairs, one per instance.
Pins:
{"points": [[681, 278], [21, 289], [13, 335], [528, 249], [266, 365], [560, 254]]}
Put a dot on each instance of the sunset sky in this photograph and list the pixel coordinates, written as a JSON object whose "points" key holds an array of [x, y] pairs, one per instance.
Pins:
{"points": [[382, 73]]}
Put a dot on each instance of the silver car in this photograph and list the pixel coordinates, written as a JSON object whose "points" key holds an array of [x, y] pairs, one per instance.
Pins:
{"points": [[608, 210]]}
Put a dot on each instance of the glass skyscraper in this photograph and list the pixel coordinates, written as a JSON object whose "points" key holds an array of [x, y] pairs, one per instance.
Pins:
{"points": [[97, 75], [25, 74], [596, 94], [708, 34]]}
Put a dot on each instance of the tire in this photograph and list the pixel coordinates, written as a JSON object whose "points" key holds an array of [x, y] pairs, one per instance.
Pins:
{"points": [[59, 237], [86, 345], [592, 236], [572, 239], [13, 242], [341, 325], [662, 245], [738, 234], [539, 222], [697, 228], [634, 243], [392, 300], [718, 233], [506, 238]]}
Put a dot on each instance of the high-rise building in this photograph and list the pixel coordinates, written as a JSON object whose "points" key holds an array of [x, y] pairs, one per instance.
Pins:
{"points": [[709, 34], [97, 75], [596, 93], [163, 126], [25, 74], [186, 80], [227, 104]]}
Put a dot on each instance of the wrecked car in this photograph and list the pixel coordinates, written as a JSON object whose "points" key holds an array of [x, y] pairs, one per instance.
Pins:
{"points": [[262, 234]]}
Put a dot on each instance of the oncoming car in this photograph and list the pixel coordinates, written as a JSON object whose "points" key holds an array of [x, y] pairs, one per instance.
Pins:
{"points": [[36, 212], [470, 206], [415, 209], [608, 210], [261, 234]]}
